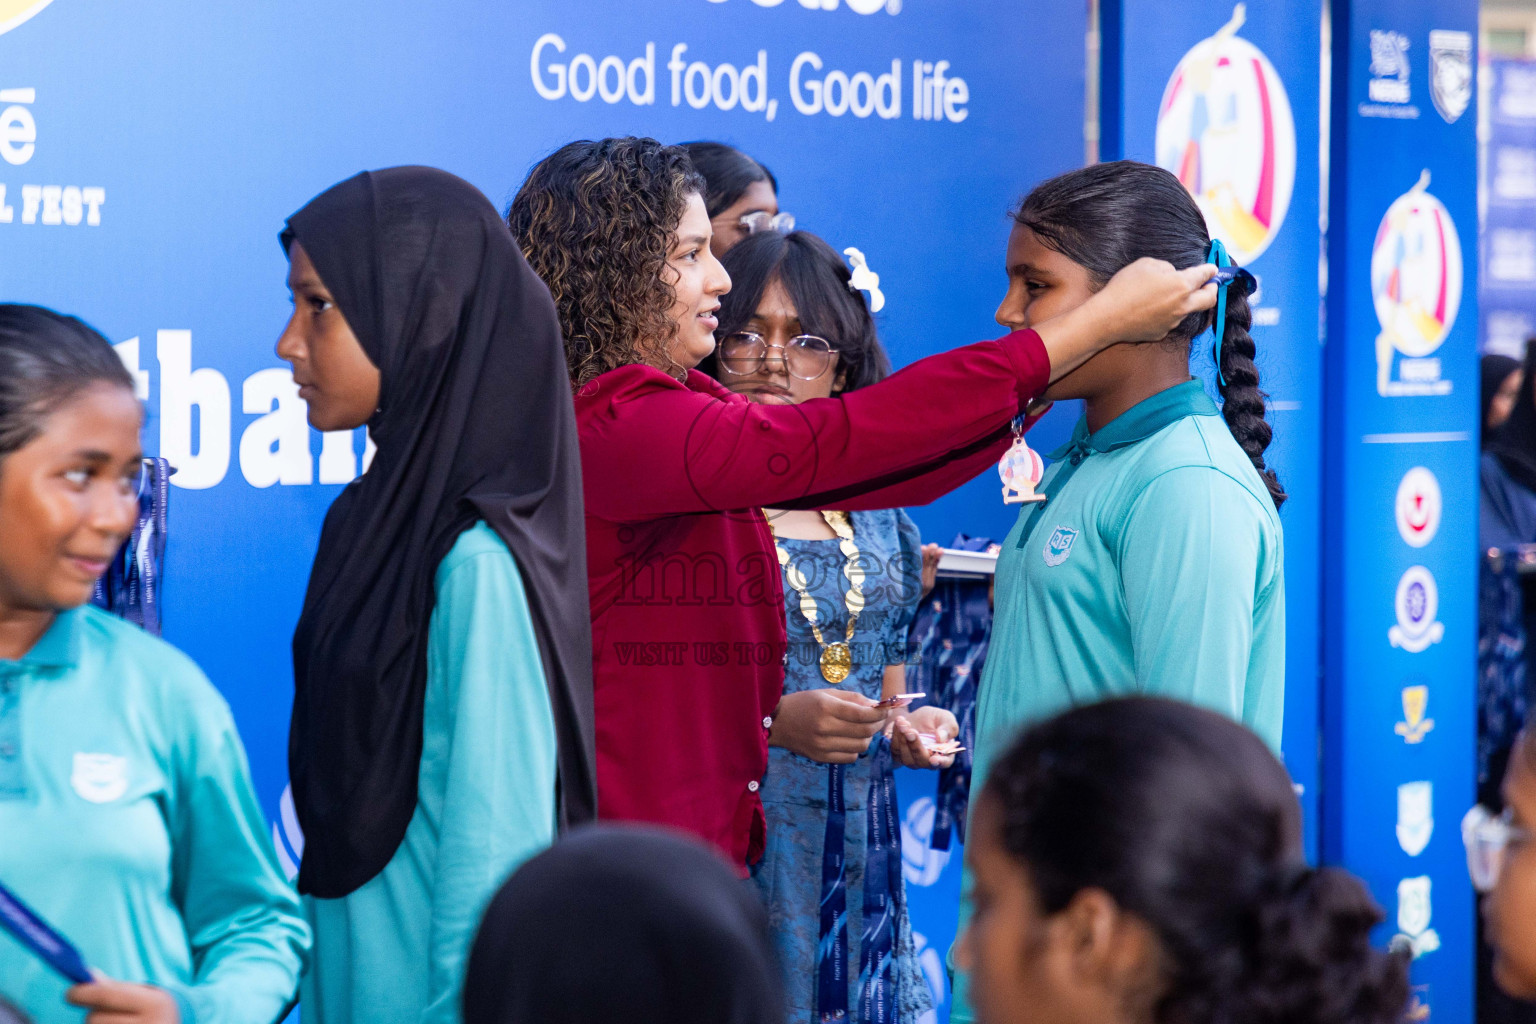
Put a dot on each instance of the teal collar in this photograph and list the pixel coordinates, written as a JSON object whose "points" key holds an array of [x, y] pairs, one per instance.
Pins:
{"points": [[1142, 420], [59, 647]]}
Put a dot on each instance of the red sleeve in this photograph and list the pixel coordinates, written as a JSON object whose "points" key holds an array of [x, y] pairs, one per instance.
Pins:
{"points": [[652, 448], [925, 484]]}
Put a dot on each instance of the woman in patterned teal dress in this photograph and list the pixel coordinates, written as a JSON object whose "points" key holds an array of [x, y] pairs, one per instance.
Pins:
{"points": [[793, 329]]}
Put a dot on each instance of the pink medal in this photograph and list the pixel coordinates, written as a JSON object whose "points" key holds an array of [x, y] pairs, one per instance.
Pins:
{"points": [[1021, 469]]}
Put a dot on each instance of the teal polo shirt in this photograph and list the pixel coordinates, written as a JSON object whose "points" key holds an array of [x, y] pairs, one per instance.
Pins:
{"points": [[128, 820], [1155, 566]]}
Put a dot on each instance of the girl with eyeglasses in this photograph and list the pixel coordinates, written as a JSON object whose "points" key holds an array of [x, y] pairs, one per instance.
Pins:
{"points": [[1139, 861], [741, 196], [793, 330], [688, 639], [127, 815]]}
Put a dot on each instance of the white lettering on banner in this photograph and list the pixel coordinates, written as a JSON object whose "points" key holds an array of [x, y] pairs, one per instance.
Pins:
{"points": [[128, 352], [18, 130], [722, 85], [70, 205], [275, 449], [181, 390], [611, 77], [937, 95], [856, 6], [838, 93]]}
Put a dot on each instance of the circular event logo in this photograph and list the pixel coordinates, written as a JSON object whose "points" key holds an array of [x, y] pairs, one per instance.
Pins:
{"points": [[1416, 272], [1225, 128], [1417, 605], [1418, 507], [14, 12]]}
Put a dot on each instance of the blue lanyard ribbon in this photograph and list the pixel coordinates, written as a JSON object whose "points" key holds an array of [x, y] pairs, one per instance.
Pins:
{"points": [[882, 899], [882, 893], [130, 588], [954, 794], [1218, 255], [832, 950]]}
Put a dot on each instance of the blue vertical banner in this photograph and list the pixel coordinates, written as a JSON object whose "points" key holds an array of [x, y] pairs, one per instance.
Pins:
{"points": [[150, 152], [1506, 291], [1400, 526], [1226, 97]]}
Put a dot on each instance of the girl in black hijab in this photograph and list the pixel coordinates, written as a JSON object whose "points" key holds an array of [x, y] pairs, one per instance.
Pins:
{"points": [[1508, 505], [624, 923], [1501, 384], [442, 720]]}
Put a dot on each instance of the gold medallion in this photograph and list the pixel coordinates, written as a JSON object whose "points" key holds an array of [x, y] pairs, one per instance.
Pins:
{"points": [[836, 662]]}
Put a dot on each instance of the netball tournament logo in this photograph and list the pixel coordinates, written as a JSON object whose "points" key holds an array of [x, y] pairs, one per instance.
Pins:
{"points": [[1225, 128], [1416, 275], [14, 12]]}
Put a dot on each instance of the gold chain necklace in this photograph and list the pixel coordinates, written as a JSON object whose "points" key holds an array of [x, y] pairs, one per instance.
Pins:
{"points": [[837, 657]]}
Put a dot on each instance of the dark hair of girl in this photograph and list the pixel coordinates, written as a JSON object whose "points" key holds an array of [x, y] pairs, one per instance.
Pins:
{"points": [[1188, 822], [816, 279], [1106, 216], [596, 221], [728, 173], [47, 358]]}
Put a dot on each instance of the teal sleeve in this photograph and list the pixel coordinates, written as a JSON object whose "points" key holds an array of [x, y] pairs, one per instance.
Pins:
{"points": [[1191, 557], [906, 576], [248, 938], [499, 805]]}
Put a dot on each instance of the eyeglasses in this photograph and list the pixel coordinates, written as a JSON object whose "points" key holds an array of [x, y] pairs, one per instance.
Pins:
{"points": [[762, 220], [806, 356], [1488, 837]]}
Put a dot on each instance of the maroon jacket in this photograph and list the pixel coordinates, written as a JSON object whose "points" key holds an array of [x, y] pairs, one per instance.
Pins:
{"points": [[687, 608]]}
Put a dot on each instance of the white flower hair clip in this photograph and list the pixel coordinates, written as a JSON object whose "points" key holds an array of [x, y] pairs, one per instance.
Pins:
{"points": [[864, 279]]}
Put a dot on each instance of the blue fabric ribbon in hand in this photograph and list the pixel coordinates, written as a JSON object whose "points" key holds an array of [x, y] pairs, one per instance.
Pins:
{"points": [[832, 950], [882, 893]]}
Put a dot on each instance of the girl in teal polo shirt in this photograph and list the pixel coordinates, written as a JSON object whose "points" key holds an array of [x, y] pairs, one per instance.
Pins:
{"points": [[1155, 564], [127, 815]]}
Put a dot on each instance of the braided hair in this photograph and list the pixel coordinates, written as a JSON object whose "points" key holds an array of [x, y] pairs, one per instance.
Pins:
{"points": [[1106, 216], [1189, 823]]}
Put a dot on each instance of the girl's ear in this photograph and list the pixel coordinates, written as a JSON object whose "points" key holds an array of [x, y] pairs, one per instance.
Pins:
{"points": [[839, 382]]}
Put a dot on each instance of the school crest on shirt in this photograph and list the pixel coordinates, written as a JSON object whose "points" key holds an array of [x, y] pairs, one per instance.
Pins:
{"points": [[99, 778], [1059, 545]]}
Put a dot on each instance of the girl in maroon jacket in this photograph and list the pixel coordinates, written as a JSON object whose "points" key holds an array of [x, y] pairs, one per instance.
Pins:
{"points": [[687, 608]]}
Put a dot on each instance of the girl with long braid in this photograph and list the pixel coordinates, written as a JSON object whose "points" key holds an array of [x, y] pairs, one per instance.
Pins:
{"points": [[1154, 565]]}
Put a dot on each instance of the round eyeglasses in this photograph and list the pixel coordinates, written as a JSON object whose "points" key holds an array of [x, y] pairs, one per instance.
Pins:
{"points": [[1488, 837], [806, 356], [762, 220]]}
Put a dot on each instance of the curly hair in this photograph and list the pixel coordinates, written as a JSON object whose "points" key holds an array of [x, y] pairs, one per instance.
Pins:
{"points": [[596, 220]]}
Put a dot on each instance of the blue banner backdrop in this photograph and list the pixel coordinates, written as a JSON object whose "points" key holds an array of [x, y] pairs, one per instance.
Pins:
{"points": [[1400, 471], [1226, 97], [1506, 293], [151, 152]]}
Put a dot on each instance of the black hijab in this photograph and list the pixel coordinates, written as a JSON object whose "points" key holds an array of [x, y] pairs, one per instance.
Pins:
{"points": [[1514, 443], [474, 423], [1495, 371], [624, 923]]}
